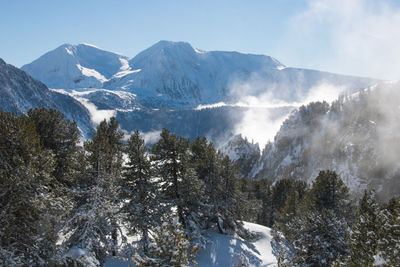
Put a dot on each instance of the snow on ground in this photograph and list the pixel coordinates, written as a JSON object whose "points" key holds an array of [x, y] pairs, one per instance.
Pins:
{"points": [[232, 251], [229, 251]]}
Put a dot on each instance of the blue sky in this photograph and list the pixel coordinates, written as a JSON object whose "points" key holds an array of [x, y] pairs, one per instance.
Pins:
{"points": [[341, 36]]}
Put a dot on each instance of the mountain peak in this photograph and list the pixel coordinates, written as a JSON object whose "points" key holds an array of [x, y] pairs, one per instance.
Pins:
{"points": [[76, 66], [163, 47], [171, 44]]}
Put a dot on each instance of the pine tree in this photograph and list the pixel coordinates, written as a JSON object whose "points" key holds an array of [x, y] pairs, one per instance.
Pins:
{"points": [[171, 247], [204, 159], [321, 238], [291, 209], [263, 192], [227, 196], [319, 230], [61, 137], [30, 201], [389, 236], [170, 155], [249, 204], [140, 190], [93, 225], [363, 237], [279, 193], [180, 185], [329, 192]]}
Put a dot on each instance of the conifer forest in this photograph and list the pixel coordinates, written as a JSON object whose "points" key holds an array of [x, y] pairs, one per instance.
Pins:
{"points": [[115, 196]]}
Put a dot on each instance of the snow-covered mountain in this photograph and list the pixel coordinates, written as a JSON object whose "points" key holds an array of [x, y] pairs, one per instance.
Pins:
{"points": [[164, 85], [19, 92], [183, 76], [77, 66], [176, 75]]}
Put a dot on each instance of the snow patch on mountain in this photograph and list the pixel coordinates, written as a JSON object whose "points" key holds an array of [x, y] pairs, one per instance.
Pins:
{"points": [[125, 69], [69, 51], [91, 73]]}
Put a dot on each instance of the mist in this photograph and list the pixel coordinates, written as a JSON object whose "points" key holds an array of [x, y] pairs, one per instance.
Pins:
{"points": [[261, 122], [360, 36]]}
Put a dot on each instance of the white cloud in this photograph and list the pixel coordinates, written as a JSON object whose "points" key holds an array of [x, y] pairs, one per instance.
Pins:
{"points": [[323, 92], [357, 37], [261, 122], [151, 137], [96, 115]]}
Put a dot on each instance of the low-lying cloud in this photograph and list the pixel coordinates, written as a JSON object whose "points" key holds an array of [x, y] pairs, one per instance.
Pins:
{"points": [[151, 137], [266, 112]]}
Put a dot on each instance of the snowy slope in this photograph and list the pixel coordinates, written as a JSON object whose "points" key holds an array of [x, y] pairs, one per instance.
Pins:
{"points": [[19, 92], [233, 251], [77, 66], [227, 251]]}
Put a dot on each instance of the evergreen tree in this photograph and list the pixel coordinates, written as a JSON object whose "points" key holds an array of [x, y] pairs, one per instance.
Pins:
{"points": [[93, 225], [280, 191], [30, 200], [389, 235], [221, 193], [170, 155], [61, 137], [249, 201], [180, 186], [291, 209], [363, 237], [329, 192], [319, 230], [264, 193], [171, 247], [140, 190], [204, 159], [227, 196], [321, 238]]}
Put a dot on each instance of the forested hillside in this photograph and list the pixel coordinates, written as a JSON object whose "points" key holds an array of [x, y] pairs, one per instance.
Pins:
{"points": [[357, 136], [68, 205]]}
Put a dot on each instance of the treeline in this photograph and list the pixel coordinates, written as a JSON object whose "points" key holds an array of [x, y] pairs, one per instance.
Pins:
{"points": [[323, 224]]}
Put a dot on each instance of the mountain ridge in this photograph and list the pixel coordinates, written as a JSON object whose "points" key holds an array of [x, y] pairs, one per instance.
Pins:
{"points": [[19, 92], [176, 75]]}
